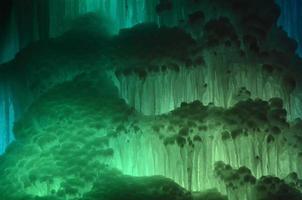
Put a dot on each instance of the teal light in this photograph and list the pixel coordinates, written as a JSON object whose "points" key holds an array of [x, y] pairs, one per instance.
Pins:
{"points": [[201, 104], [7, 117]]}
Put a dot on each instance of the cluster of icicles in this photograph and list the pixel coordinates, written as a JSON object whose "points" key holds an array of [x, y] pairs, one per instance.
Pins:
{"points": [[162, 92]]}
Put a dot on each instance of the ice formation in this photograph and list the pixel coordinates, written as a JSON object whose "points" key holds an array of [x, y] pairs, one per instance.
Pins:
{"points": [[186, 148], [187, 145], [234, 58], [51, 18], [163, 91], [155, 111]]}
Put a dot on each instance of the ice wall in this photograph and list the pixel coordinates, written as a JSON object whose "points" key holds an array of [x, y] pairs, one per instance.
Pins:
{"points": [[7, 117], [290, 19]]}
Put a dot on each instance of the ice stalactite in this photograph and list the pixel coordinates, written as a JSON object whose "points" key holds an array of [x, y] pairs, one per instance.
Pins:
{"points": [[160, 92], [290, 19], [7, 117]]}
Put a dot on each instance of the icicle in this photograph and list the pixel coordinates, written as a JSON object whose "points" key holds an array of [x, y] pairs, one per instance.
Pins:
{"points": [[6, 118]]}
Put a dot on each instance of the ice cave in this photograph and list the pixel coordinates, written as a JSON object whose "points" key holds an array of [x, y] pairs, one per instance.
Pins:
{"points": [[150, 100]]}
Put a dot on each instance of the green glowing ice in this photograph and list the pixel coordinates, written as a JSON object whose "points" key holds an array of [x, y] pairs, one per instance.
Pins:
{"points": [[78, 132], [219, 95]]}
